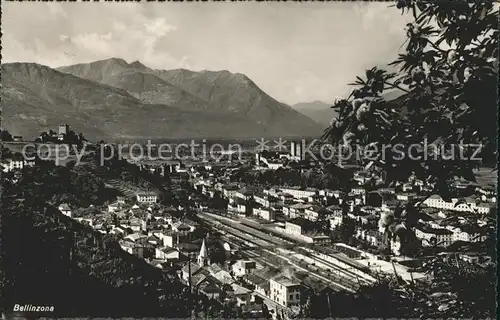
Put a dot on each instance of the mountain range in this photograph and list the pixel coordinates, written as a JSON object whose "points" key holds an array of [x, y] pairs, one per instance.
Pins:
{"points": [[322, 112], [114, 99], [316, 110]]}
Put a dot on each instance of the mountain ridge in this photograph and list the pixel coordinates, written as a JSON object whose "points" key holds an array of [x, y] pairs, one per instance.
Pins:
{"points": [[113, 99], [322, 112], [317, 110], [204, 85]]}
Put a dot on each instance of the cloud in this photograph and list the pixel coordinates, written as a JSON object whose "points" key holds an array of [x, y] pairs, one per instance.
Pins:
{"points": [[159, 27], [97, 44], [16, 51], [119, 26], [64, 38], [56, 9]]}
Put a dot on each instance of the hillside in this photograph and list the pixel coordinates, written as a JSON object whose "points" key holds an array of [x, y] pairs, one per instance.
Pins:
{"points": [[316, 110], [137, 79], [323, 114], [62, 263], [85, 270]]}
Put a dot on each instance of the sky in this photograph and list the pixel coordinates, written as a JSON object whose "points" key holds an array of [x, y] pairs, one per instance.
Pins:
{"points": [[295, 52]]}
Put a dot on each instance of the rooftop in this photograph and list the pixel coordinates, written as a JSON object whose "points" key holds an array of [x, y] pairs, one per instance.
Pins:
{"points": [[246, 192], [147, 194], [64, 206], [285, 281], [436, 231]]}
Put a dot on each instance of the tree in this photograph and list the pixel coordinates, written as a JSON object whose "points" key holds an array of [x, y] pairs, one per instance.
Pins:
{"points": [[5, 153], [469, 286], [448, 75], [265, 311], [103, 269], [345, 230], [5, 135]]}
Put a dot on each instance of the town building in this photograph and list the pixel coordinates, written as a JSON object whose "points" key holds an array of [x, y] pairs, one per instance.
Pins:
{"points": [[203, 258], [265, 213], [63, 130], [244, 194], [167, 254], [434, 237], [465, 205], [147, 197], [229, 191], [296, 151], [469, 234], [243, 267], [299, 193], [285, 291], [16, 164]]}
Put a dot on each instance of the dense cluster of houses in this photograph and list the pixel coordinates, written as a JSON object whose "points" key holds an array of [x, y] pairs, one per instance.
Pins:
{"points": [[441, 222], [152, 232], [16, 162], [306, 215], [145, 228], [166, 239], [248, 281]]}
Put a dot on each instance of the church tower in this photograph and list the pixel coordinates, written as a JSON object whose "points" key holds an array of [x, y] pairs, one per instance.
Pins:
{"points": [[203, 259]]}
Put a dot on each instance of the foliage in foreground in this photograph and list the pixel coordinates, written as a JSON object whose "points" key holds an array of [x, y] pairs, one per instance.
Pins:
{"points": [[448, 74], [50, 259]]}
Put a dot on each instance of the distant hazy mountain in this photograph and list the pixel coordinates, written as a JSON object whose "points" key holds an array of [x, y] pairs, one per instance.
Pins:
{"points": [[114, 99], [316, 110], [322, 112]]}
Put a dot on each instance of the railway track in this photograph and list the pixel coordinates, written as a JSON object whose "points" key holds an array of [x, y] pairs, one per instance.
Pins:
{"points": [[248, 230], [334, 268], [267, 248], [361, 279]]}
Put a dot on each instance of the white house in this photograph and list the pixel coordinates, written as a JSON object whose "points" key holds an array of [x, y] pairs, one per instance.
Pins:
{"points": [[130, 247], [264, 213], [243, 267], [468, 234], [244, 194], [395, 244], [296, 210], [284, 291], [16, 164], [114, 207], [293, 228], [264, 200], [466, 205], [358, 191], [301, 193], [168, 254], [434, 237], [405, 196], [242, 294], [147, 197], [336, 220], [229, 191]]}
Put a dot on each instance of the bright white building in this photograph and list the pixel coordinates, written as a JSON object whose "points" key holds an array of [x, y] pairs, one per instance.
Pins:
{"points": [[147, 197], [243, 267], [434, 237], [467, 205], [300, 193]]}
